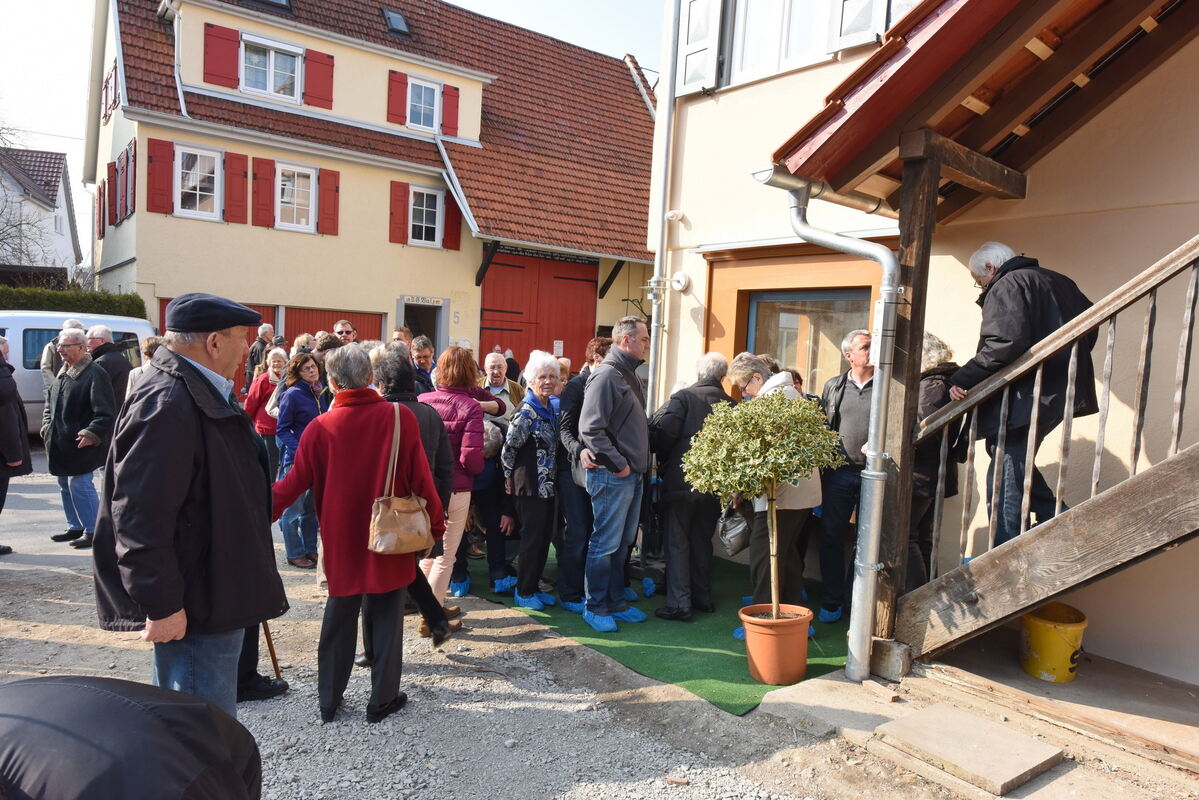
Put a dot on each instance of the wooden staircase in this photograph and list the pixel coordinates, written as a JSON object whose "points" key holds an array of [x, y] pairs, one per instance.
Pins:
{"points": [[1131, 519]]}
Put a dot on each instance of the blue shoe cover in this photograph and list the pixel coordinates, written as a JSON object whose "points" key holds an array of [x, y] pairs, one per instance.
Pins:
{"points": [[829, 615], [504, 585], [811, 631], [460, 589], [739, 633], [630, 614], [648, 587], [528, 602], [803, 594], [630, 594], [546, 599], [747, 600], [574, 608], [598, 622]]}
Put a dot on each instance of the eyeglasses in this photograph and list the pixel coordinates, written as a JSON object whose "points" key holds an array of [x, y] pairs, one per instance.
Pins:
{"points": [[344, 333], [65, 346], [547, 377]]}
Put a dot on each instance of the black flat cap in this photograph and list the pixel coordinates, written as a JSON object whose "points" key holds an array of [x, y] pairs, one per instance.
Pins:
{"points": [[200, 312]]}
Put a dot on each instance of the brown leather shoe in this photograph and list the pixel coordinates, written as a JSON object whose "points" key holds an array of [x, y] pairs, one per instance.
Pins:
{"points": [[452, 611], [303, 562], [425, 631]]}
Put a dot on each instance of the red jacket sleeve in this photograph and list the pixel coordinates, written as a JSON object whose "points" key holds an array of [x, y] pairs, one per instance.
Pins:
{"points": [[470, 455], [260, 392], [415, 465], [300, 478]]}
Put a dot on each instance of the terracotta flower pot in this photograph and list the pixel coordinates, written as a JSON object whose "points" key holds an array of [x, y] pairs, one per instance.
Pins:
{"points": [[777, 648]]}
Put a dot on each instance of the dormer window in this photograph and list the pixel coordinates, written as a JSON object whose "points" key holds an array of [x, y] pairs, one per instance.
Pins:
{"points": [[270, 68], [422, 104], [396, 22]]}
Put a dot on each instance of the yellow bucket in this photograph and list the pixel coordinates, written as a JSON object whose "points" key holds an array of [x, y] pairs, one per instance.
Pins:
{"points": [[1051, 642]]}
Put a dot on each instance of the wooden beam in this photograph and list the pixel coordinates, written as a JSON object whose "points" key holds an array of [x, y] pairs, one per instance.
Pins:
{"points": [[1131, 520], [961, 164], [917, 218], [489, 251], [616, 268], [1004, 41], [1141, 58], [1108, 26]]}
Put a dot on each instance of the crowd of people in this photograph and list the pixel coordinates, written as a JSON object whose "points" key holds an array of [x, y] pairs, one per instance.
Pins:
{"points": [[193, 478]]}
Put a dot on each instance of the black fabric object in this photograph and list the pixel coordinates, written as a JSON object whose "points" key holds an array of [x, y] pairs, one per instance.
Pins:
{"points": [[421, 593], [934, 393], [671, 429], [257, 355], [187, 496], [792, 545], [537, 520], [14, 426], [570, 403], [512, 373], [79, 399], [339, 633], [82, 737], [200, 312], [688, 551], [434, 439], [113, 361], [1024, 303]]}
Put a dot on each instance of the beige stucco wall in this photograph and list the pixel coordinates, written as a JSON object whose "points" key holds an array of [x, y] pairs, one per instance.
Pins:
{"points": [[1107, 203], [359, 76]]}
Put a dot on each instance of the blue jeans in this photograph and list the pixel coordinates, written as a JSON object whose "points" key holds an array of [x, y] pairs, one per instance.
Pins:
{"points": [[616, 510], [298, 523], [841, 487], [80, 503], [203, 664], [1011, 488], [572, 560]]}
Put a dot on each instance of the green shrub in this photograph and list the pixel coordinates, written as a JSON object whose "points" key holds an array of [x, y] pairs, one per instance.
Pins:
{"points": [[76, 301]]}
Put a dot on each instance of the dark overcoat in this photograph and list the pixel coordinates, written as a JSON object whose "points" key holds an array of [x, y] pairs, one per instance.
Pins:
{"points": [[1022, 305], [671, 429], [114, 362], [185, 512], [80, 399], [14, 427]]}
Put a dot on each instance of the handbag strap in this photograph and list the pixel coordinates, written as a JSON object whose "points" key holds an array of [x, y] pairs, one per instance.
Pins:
{"points": [[395, 455]]}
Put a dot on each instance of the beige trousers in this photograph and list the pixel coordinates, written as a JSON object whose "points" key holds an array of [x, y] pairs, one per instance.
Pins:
{"points": [[438, 570]]}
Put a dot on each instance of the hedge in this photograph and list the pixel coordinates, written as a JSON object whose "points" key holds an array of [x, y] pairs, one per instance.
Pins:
{"points": [[76, 301]]}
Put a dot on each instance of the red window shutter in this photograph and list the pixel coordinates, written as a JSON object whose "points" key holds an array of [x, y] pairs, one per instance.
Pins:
{"points": [[397, 97], [160, 176], [113, 191], [264, 193], [237, 175], [318, 79], [131, 181], [100, 210], [449, 111], [121, 166], [328, 183], [451, 229], [399, 213], [221, 50]]}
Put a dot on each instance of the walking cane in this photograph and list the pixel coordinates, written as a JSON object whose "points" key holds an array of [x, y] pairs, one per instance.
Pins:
{"points": [[270, 646]]}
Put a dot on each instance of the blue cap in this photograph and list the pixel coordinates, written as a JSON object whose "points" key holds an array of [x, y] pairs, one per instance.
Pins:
{"points": [[200, 312]]}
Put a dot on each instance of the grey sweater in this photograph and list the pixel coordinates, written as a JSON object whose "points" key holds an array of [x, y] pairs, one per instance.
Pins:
{"points": [[612, 423]]}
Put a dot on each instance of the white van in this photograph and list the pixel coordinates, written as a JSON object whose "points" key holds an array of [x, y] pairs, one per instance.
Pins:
{"points": [[29, 331]]}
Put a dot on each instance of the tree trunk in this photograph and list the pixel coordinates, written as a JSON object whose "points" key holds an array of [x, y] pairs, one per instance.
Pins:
{"points": [[774, 550]]}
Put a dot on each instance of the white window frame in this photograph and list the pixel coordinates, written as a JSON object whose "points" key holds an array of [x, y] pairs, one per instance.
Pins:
{"points": [[878, 24], [440, 234], [130, 177], [436, 86], [273, 46], [313, 193], [786, 62], [218, 183]]}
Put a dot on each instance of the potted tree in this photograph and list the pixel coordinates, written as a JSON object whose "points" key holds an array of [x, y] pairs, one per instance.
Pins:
{"points": [[749, 450]]}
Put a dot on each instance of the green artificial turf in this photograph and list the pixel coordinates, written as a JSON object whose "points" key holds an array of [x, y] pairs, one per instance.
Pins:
{"points": [[701, 656]]}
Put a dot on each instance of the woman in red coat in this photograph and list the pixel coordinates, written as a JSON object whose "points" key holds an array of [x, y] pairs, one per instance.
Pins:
{"points": [[343, 457], [256, 400]]}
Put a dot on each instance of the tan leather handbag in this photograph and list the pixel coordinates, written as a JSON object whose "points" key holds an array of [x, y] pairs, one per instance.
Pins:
{"points": [[398, 524]]}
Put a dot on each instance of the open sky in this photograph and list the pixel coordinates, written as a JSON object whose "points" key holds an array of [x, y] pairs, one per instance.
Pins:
{"points": [[45, 51]]}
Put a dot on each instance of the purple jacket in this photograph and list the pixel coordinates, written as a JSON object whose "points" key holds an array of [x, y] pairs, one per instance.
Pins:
{"points": [[464, 424]]}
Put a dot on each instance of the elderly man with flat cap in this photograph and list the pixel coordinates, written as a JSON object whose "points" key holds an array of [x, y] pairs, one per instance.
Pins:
{"points": [[183, 546]]}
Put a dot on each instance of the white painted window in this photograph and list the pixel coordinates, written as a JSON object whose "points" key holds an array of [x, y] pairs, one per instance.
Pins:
{"points": [[295, 198], [271, 68], [856, 22], [773, 36], [425, 217], [423, 102], [197, 183], [59, 227]]}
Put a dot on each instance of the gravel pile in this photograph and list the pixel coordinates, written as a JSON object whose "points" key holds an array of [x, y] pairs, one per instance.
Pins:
{"points": [[478, 724]]}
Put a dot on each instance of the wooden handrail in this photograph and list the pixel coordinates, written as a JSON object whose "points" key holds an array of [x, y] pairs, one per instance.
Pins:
{"points": [[1120, 299]]}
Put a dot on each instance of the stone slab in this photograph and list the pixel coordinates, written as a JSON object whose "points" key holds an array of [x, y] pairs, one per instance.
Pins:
{"points": [[832, 705], [977, 750]]}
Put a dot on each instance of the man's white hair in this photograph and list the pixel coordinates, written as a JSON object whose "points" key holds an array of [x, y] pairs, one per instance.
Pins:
{"points": [[494, 356], [71, 333], [71, 323], [994, 253], [265, 328], [711, 367], [100, 332], [847, 342], [540, 361]]}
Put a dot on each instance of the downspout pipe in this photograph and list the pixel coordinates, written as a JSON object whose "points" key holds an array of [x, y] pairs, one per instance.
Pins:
{"points": [[657, 284], [874, 476]]}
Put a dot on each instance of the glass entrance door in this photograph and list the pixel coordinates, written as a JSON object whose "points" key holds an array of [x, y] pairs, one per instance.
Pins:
{"points": [[803, 329]]}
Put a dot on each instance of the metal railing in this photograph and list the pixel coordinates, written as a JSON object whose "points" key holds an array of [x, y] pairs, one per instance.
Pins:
{"points": [[945, 421]]}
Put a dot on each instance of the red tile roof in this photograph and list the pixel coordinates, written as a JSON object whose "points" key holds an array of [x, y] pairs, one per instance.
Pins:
{"points": [[37, 170], [566, 134]]}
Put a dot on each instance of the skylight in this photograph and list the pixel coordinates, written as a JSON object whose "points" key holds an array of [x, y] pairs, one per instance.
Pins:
{"points": [[277, 3], [396, 22]]}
